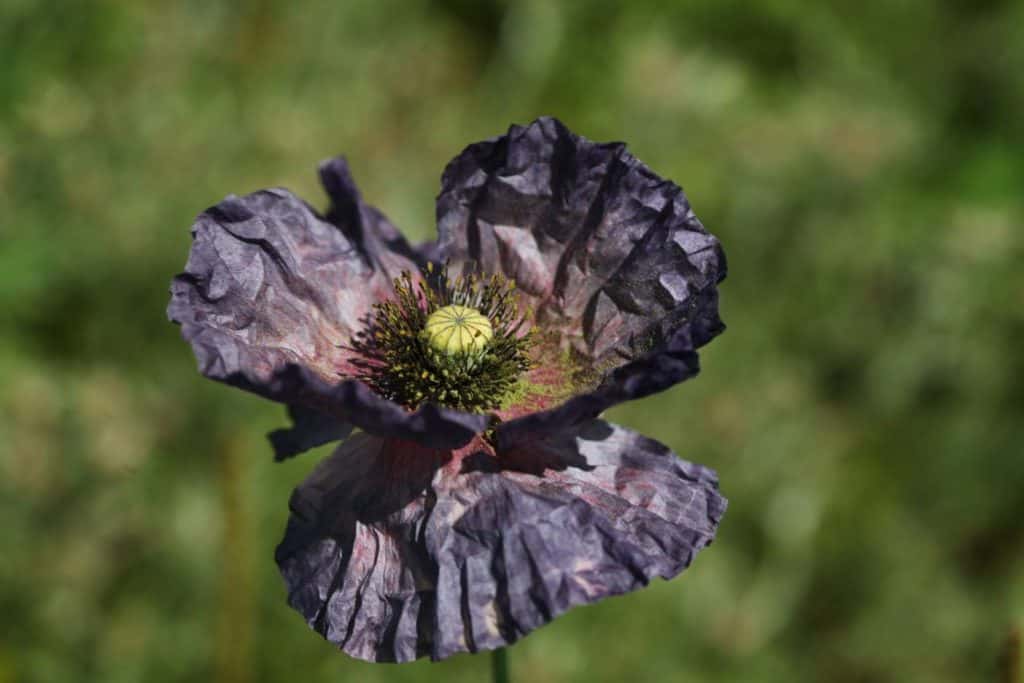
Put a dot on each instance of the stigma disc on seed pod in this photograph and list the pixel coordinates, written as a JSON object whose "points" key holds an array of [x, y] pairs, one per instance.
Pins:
{"points": [[456, 329]]}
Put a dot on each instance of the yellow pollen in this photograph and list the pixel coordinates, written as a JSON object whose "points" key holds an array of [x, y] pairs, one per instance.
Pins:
{"points": [[458, 329]]}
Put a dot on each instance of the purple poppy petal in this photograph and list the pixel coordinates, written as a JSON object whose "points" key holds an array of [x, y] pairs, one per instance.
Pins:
{"points": [[310, 428], [610, 255], [651, 373], [394, 552], [273, 293]]}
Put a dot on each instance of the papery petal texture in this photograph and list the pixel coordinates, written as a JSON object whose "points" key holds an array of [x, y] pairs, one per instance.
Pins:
{"points": [[394, 551], [310, 428], [272, 295], [610, 255]]}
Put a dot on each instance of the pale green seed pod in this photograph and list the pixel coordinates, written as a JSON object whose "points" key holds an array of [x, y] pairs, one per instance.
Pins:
{"points": [[455, 330]]}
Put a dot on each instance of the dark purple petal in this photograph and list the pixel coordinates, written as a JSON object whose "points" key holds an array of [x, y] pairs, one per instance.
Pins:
{"points": [[310, 428], [273, 293], [648, 374], [394, 552], [610, 255]]}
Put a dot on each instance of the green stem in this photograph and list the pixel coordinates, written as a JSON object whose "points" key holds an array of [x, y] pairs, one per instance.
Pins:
{"points": [[499, 666]]}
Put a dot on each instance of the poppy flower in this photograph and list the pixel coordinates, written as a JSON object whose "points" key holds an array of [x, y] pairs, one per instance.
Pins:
{"points": [[482, 495]]}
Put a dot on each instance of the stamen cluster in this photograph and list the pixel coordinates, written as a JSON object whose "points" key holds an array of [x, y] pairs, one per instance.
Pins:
{"points": [[397, 359]]}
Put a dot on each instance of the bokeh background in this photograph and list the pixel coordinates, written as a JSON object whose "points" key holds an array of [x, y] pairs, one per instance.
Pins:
{"points": [[863, 167]]}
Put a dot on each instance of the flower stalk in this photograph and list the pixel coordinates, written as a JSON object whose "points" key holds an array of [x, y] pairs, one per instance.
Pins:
{"points": [[499, 665]]}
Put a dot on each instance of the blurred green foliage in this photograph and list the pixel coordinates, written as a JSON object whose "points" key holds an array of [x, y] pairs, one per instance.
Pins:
{"points": [[862, 165]]}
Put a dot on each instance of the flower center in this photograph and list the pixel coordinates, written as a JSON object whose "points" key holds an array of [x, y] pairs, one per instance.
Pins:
{"points": [[458, 329], [456, 343]]}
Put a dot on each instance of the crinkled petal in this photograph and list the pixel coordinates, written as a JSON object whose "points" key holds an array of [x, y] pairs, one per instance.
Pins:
{"points": [[611, 256], [310, 428], [394, 552], [273, 293], [648, 374]]}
